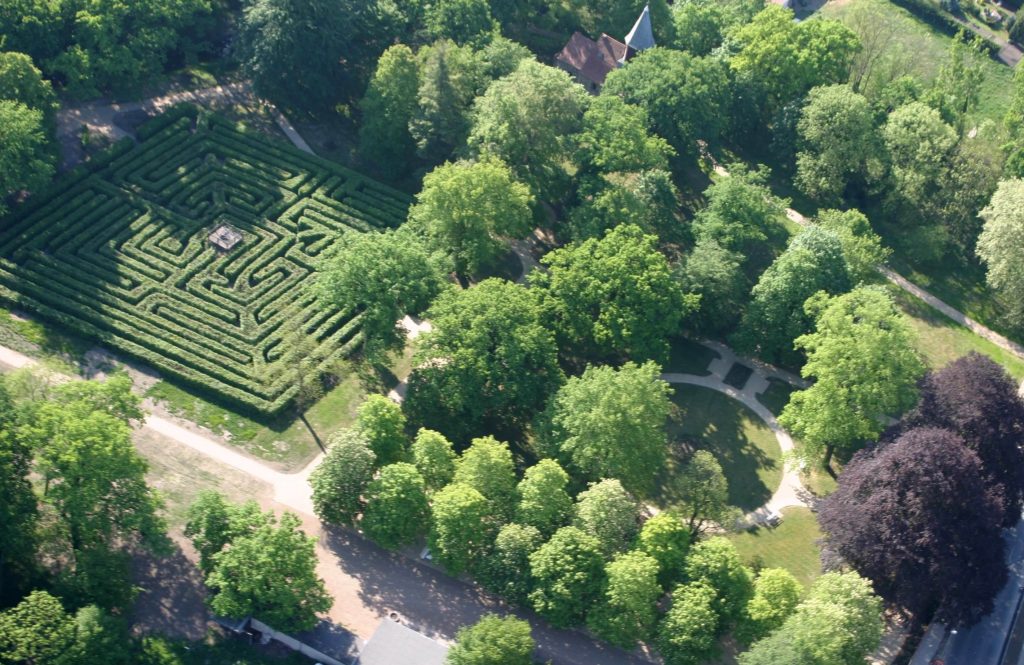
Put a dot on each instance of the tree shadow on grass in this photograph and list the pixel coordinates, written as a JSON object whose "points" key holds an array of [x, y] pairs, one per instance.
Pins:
{"points": [[704, 419], [172, 600]]}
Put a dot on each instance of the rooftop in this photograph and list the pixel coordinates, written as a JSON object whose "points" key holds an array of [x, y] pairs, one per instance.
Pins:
{"points": [[594, 60], [395, 644]]}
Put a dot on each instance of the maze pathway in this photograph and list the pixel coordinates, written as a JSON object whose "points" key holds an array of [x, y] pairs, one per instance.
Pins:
{"points": [[120, 253]]}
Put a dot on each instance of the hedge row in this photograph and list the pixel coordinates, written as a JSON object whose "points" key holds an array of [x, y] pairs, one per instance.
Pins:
{"points": [[118, 252]]}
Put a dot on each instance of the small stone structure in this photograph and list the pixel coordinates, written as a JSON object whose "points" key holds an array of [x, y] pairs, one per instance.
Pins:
{"points": [[225, 237]]}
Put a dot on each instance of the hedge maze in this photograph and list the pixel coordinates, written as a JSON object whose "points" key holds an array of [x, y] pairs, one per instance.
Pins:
{"points": [[119, 252]]}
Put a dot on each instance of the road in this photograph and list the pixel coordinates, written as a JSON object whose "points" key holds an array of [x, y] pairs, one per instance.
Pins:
{"points": [[983, 643]]}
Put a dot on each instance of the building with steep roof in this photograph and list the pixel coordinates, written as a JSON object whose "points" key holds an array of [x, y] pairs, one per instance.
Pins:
{"points": [[591, 61]]}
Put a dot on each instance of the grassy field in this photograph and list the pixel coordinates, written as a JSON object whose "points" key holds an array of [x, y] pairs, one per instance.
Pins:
{"points": [[747, 450], [791, 545]]}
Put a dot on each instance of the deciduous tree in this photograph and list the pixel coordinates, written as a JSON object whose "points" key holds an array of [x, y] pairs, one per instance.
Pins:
{"points": [[666, 538], [25, 160], [627, 611], [493, 640], [339, 481], [688, 635], [1001, 244], [388, 107], [462, 21], [716, 562], [396, 506], [434, 457], [506, 571], [487, 467], [568, 574], [715, 274], [382, 423], [543, 500], [862, 248], [703, 494], [608, 513], [462, 527], [776, 595]]}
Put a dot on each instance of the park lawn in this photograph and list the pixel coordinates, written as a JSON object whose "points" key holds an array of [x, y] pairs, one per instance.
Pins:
{"points": [[776, 396], [689, 357], [747, 450], [930, 48], [791, 545], [941, 340]]}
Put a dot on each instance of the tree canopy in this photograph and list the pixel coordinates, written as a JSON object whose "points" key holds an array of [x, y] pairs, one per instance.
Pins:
{"points": [[568, 574], [1001, 243], [544, 502], [396, 506], [487, 467], [608, 513], [493, 640], [627, 612], [339, 480], [462, 527]]}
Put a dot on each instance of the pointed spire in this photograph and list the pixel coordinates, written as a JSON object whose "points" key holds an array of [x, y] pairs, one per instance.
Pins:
{"points": [[641, 37]]}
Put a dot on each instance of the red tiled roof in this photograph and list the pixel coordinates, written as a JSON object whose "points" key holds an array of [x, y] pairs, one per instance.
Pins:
{"points": [[593, 60]]}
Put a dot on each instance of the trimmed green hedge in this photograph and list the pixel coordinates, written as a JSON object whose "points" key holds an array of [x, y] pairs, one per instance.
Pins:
{"points": [[118, 251]]}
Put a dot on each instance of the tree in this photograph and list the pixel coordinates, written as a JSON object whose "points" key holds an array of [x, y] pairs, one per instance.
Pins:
{"points": [[919, 520], [616, 138], [451, 77], [291, 62], [465, 209], [688, 635], [487, 366], [543, 501], [839, 623], [382, 423], [396, 506], [648, 199], [527, 120], [627, 611], [862, 248], [385, 276], [270, 574], [667, 540], [506, 571], [608, 513], [434, 458], [25, 160], [776, 595], [781, 59], [20, 81], [610, 423], [38, 630], [813, 262], [715, 274], [493, 640], [716, 562], [487, 467], [919, 145], [975, 397], [213, 523], [956, 90], [839, 146], [19, 514], [684, 95], [1001, 241], [700, 26], [340, 480], [102, 638], [462, 21], [568, 573], [865, 365], [741, 214], [703, 494], [462, 527], [612, 297], [388, 107]]}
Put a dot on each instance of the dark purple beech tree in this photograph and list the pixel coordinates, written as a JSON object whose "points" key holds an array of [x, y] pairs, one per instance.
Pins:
{"points": [[975, 397], [918, 518]]}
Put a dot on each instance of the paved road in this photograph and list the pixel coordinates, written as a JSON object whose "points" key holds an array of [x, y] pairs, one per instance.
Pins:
{"points": [[983, 643]]}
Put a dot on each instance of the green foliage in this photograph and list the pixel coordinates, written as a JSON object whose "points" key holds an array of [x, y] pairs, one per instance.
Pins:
{"points": [[213, 524], [919, 145], [383, 275], [627, 612], [776, 595], [782, 59], [1000, 243], [527, 119], [665, 538], [701, 25], [20, 81], [466, 209], [382, 422], [956, 90], [434, 458], [610, 423], [506, 570], [813, 262], [715, 274], [862, 248], [396, 506], [716, 563], [866, 367], [741, 212], [608, 513], [685, 96], [839, 146], [689, 632], [37, 631], [839, 623], [18, 511], [451, 77], [289, 207], [25, 159], [703, 493], [388, 106], [270, 574], [339, 481], [462, 21], [101, 638], [543, 501], [568, 575], [487, 366], [462, 527], [616, 138], [487, 467], [648, 199], [493, 640], [612, 297]]}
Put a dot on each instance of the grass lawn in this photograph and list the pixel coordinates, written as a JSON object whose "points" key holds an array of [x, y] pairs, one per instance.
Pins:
{"points": [[747, 450], [689, 357], [791, 545], [776, 396]]}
